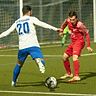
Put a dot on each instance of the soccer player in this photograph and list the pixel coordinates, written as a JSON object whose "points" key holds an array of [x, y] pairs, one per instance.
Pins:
{"points": [[77, 32], [28, 43]]}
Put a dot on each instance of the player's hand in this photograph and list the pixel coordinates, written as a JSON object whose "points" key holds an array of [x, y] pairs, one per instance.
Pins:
{"points": [[59, 30], [61, 34], [89, 49]]}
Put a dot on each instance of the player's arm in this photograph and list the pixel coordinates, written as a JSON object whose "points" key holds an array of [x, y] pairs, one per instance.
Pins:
{"points": [[86, 32], [63, 26], [88, 41], [43, 24], [7, 32]]}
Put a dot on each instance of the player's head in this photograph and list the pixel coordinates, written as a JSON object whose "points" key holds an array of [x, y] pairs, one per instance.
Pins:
{"points": [[27, 10], [73, 17]]}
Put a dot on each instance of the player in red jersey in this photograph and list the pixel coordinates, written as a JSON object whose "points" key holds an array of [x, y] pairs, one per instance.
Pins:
{"points": [[77, 33]]}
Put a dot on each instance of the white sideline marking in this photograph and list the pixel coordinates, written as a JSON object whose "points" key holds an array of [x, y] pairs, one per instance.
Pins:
{"points": [[8, 55], [46, 93], [15, 49], [90, 54], [8, 50]]}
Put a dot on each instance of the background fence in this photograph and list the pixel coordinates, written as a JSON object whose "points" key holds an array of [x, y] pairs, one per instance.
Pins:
{"points": [[50, 11]]}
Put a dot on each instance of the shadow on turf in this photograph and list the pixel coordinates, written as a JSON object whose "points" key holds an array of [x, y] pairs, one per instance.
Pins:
{"points": [[26, 84], [85, 75], [40, 83]]}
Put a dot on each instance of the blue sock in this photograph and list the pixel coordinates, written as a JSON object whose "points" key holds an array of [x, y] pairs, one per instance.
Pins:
{"points": [[16, 72]]}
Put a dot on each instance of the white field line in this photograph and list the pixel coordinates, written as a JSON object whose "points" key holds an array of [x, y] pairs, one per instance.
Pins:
{"points": [[15, 49], [45, 46], [89, 54], [46, 93]]}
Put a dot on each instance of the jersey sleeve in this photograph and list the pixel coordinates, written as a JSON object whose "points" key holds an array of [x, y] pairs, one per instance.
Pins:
{"points": [[7, 32], [88, 39], [85, 31], [43, 24], [64, 24]]}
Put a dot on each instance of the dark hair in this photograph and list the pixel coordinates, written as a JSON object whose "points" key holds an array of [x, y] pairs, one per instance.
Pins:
{"points": [[72, 13], [26, 9]]}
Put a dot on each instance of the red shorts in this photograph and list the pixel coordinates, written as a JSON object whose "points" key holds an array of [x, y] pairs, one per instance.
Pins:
{"points": [[75, 48]]}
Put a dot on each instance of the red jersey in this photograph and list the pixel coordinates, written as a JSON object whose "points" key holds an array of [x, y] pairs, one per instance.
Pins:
{"points": [[78, 31]]}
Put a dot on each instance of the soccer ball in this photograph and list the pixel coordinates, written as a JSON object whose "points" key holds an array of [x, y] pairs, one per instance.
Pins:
{"points": [[51, 82]]}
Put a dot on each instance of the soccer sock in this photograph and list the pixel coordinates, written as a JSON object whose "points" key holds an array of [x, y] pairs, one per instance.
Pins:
{"points": [[16, 72], [76, 68], [43, 62], [67, 66]]}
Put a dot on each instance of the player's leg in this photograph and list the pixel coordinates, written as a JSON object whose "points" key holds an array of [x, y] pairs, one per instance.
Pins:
{"points": [[76, 53], [21, 58], [41, 64], [16, 73], [66, 62], [76, 69], [37, 55], [76, 65]]}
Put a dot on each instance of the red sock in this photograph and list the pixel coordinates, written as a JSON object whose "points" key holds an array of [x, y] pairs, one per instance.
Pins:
{"points": [[76, 68], [67, 66]]}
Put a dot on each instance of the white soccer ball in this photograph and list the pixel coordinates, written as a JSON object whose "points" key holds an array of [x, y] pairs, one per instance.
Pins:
{"points": [[51, 82]]}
